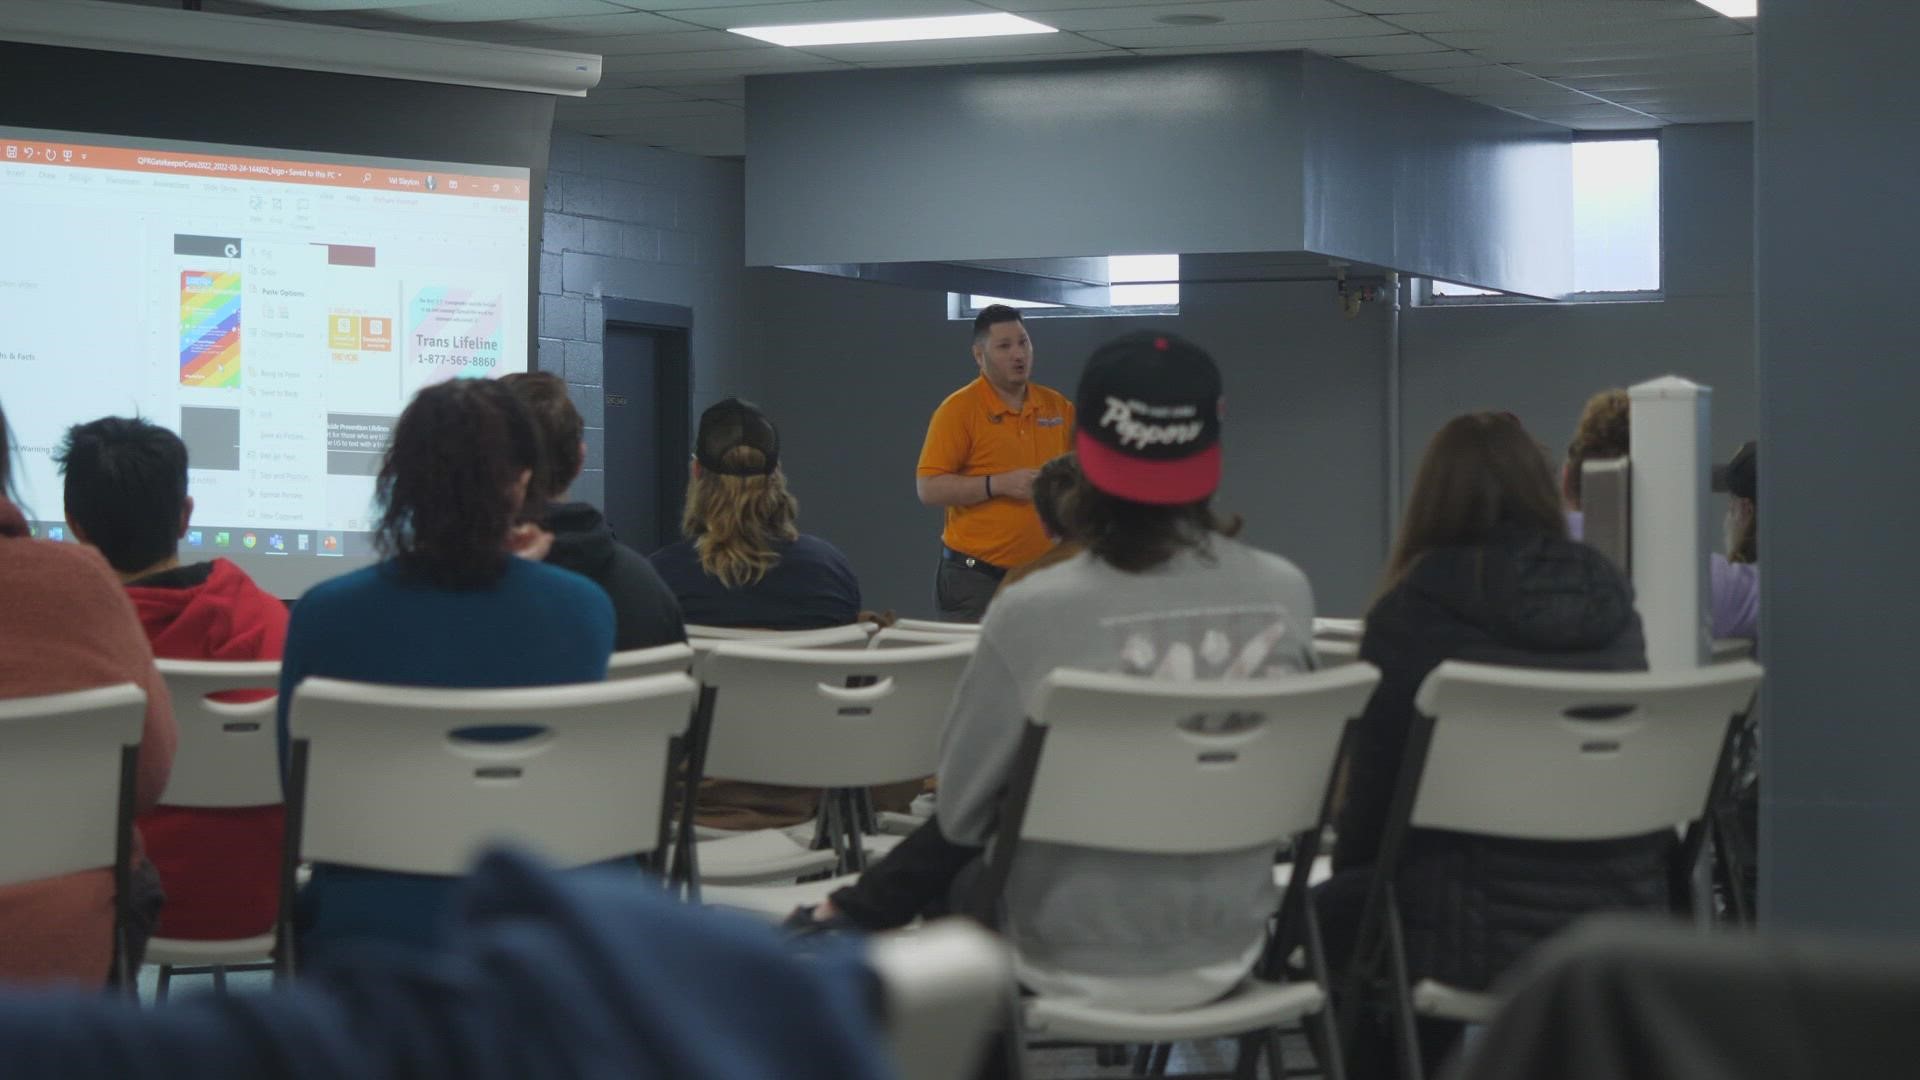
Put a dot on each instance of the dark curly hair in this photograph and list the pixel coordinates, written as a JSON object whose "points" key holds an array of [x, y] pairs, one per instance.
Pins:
{"points": [[1137, 537], [446, 485]]}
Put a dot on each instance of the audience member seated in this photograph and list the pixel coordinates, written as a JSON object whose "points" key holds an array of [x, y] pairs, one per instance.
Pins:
{"points": [[126, 493], [1162, 590], [448, 605], [1052, 486], [745, 563], [1602, 435], [594, 975], [645, 612], [1483, 570], [1736, 575], [65, 625]]}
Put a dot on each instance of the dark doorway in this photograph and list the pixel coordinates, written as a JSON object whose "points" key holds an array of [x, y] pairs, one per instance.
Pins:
{"points": [[647, 350]]}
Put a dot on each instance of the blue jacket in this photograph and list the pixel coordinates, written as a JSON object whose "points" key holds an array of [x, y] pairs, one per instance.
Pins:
{"points": [[540, 975], [536, 626]]}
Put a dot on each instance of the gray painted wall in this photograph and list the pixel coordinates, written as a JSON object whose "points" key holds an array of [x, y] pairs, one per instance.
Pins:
{"points": [[1088, 158], [1256, 152], [1839, 142], [638, 224], [853, 369], [1406, 177], [1540, 362]]}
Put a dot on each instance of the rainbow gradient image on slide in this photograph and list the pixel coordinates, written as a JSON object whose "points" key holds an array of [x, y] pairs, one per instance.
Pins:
{"points": [[210, 328]]}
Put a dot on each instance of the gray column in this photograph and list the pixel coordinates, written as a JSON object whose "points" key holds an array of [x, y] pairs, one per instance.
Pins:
{"points": [[1838, 228]]}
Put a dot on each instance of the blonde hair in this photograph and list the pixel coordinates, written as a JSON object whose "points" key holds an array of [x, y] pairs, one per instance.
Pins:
{"points": [[1602, 435], [735, 521]]}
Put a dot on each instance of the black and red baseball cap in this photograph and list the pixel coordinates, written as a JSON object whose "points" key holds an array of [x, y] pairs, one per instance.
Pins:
{"points": [[1148, 415]]}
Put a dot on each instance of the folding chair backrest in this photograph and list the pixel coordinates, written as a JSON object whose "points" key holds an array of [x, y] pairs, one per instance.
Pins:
{"points": [[1154, 766], [828, 717], [852, 635], [228, 753], [390, 786], [60, 777], [1566, 755], [894, 637], [935, 627], [1332, 652], [945, 985], [658, 660]]}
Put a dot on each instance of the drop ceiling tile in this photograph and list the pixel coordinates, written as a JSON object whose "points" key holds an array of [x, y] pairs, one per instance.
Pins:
{"points": [[814, 11], [1284, 31], [1397, 7], [621, 24], [632, 44], [1396, 45], [1230, 11], [630, 95], [981, 50], [1382, 44], [734, 89], [1553, 17], [673, 78], [1393, 64], [462, 11], [658, 112], [742, 60], [1026, 7]]}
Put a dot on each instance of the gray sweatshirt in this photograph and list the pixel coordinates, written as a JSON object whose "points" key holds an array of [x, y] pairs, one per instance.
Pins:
{"points": [[1230, 611]]}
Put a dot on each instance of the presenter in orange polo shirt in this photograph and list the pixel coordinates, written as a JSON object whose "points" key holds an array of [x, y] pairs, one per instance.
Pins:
{"points": [[984, 446]]}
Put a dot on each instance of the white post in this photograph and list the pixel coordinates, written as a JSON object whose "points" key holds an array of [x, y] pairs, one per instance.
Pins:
{"points": [[1672, 533]]}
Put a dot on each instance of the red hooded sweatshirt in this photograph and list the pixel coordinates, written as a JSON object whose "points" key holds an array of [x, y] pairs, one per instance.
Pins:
{"points": [[220, 867]]}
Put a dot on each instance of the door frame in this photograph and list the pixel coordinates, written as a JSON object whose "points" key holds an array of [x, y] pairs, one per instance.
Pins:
{"points": [[674, 439]]}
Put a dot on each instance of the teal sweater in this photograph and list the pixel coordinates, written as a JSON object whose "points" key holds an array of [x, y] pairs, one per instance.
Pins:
{"points": [[536, 626]]}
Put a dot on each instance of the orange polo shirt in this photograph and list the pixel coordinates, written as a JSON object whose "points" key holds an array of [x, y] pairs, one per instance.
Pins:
{"points": [[973, 433]]}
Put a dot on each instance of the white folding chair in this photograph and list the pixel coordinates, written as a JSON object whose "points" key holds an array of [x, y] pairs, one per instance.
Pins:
{"points": [[1332, 652], [946, 987], [227, 757], [852, 635], [814, 718], [932, 626], [1338, 629], [658, 660], [894, 637], [380, 778], [1528, 754], [68, 765], [1155, 767]]}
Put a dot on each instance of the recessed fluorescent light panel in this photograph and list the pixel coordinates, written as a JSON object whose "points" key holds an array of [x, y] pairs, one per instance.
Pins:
{"points": [[870, 31], [1735, 9]]}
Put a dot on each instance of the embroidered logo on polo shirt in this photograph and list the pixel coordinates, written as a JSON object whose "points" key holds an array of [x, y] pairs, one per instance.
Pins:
{"points": [[1051, 421]]}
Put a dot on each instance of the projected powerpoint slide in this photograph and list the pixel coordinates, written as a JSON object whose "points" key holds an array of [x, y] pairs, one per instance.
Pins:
{"points": [[277, 309]]}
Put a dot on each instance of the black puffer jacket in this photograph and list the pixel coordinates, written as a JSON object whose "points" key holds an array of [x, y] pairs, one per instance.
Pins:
{"points": [[1472, 906], [645, 612]]}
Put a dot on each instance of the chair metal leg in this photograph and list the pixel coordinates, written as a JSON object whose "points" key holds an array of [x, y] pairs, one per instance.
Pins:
{"points": [[219, 978], [1329, 1054], [161, 984], [1162, 1058], [856, 850], [1406, 1031]]}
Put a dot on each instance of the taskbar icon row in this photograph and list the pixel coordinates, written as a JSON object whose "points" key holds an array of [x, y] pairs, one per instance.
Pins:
{"points": [[322, 543]]}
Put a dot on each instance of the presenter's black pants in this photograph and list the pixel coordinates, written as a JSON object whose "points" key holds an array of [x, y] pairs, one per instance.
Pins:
{"points": [[962, 592]]}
